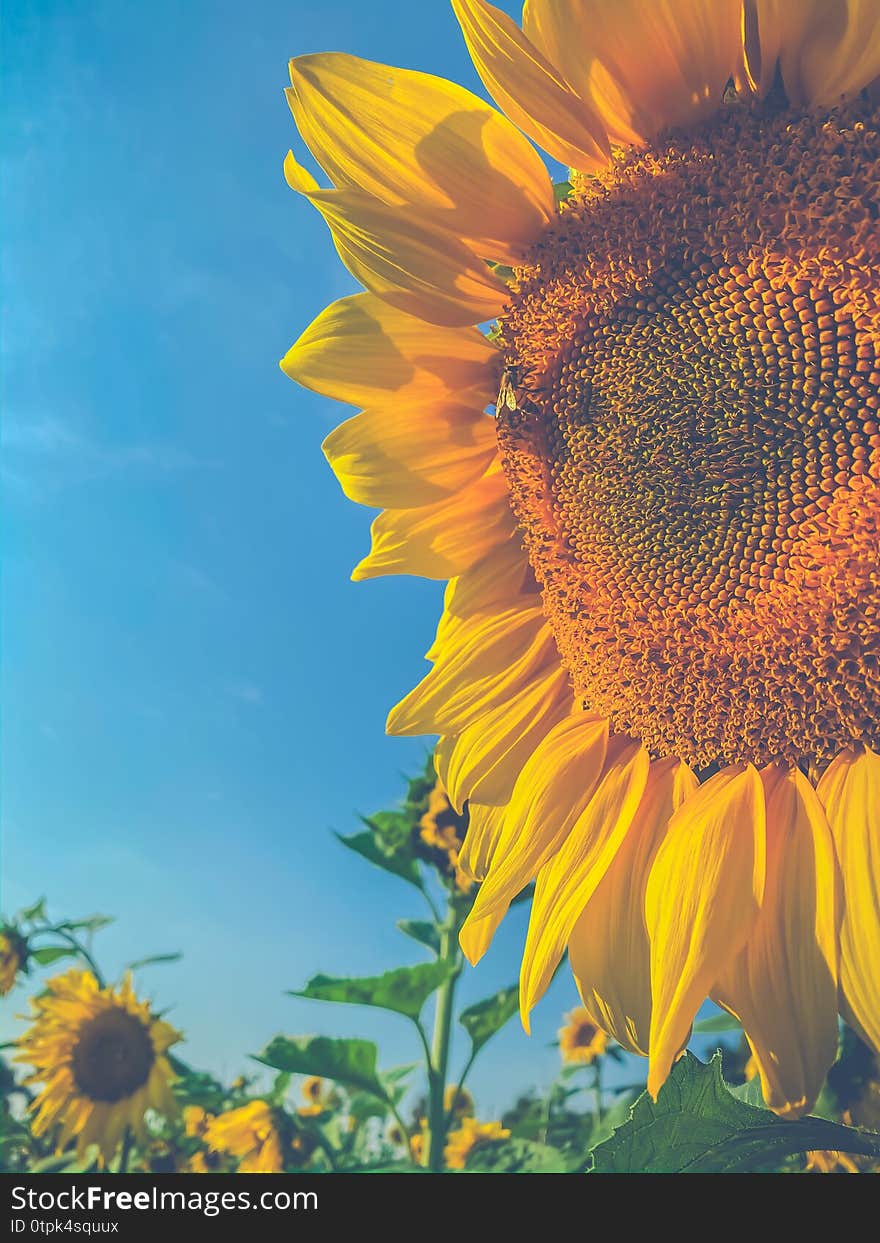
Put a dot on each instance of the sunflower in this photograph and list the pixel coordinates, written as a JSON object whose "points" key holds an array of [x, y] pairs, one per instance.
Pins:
{"points": [[458, 1102], [442, 829], [471, 1134], [13, 958], [316, 1096], [251, 1135], [656, 676], [101, 1057], [580, 1040]]}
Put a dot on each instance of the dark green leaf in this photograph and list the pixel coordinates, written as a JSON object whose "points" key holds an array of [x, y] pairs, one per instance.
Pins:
{"points": [[482, 1020], [155, 958], [421, 930], [404, 990], [92, 923], [718, 1023], [51, 953], [514, 1156], [352, 1062], [697, 1126], [365, 845]]}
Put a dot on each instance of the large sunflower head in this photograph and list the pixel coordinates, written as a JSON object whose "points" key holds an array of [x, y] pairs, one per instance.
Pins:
{"points": [[100, 1055], [653, 487]]}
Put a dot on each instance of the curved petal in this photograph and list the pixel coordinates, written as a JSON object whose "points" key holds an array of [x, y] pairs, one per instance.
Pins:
{"points": [[402, 257], [362, 351], [782, 986], [826, 50], [608, 947], [569, 879], [553, 788], [850, 793], [645, 65], [481, 839], [441, 540], [487, 659], [502, 579], [529, 90], [408, 137], [409, 456], [484, 761], [701, 902]]}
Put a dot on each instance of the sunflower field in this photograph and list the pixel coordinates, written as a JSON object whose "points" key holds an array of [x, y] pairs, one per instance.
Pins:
{"points": [[100, 1079]]}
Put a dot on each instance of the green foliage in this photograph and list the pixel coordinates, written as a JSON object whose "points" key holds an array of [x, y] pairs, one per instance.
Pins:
{"points": [[483, 1019], [422, 931], [48, 954], [697, 1126], [515, 1156], [717, 1023], [404, 990], [351, 1062], [370, 848]]}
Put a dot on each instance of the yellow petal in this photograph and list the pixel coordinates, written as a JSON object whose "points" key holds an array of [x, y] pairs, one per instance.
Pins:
{"points": [[408, 137], [484, 828], [645, 65], [484, 761], [569, 879], [408, 456], [782, 985], [488, 657], [402, 257], [502, 579], [826, 50], [553, 788], [529, 90], [701, 903], [362, 351], [608, 947], [850, 793]]}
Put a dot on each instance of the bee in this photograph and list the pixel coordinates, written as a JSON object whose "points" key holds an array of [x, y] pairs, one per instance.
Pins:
{"points": [[510, 379]]}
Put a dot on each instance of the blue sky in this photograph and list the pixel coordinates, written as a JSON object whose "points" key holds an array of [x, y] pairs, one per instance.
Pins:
{"points": [[194, 692]]}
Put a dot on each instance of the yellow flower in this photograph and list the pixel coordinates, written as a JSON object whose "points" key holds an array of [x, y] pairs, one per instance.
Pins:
{"points": [[581, 1040], [315, 1094], [830, 1163], [656, 678], [203, 1163], [196, 1121], [461, 1143], [417, 1146], [443, 828], [458, 1102], [100, 1055], [13, 957], [395, 1135], [249, 1134]]}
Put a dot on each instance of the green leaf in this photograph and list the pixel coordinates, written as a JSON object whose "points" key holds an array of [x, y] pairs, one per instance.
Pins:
{"points": [[697, 1126], [483, 1019], [365, 845], [92, 923], [35, 912], [515, 1156], [352, 1062], [404, 990], [154, 958], [562, 190], [421, 930], [51, 953], [718, 1023]]}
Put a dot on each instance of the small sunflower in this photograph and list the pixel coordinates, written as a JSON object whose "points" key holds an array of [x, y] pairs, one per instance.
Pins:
{"points": [[100, 1055], [443, 829], [13, 958], [580, 1040], [316, 1096], [250, 1134], [196, 1121], [470, 1135], [458, 1102], [656, 678]]}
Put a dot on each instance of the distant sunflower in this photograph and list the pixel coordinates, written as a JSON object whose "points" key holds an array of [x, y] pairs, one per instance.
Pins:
{"points": [[13, 958], [458, 1102], [442, 829], [656, 678], [100, 1056], [580, 1040], [315, 1094], [250, 1134], [470, 1135]]}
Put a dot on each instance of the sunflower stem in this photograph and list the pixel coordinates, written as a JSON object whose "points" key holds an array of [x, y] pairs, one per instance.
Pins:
{"points": [[440, 1049], [124, 1155], [597, 1088]]}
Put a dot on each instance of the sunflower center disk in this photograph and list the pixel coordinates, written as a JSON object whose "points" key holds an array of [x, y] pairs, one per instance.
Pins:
{"points": [[694, 455], [113, 1056]]}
